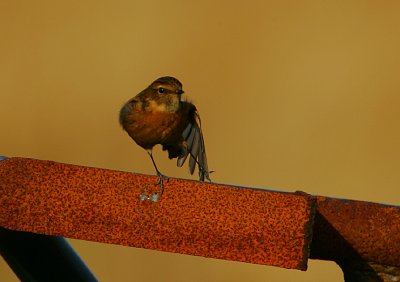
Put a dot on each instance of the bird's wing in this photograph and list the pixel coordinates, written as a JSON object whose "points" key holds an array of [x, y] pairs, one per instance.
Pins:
{"points": [[126, 110], [194, 146]]}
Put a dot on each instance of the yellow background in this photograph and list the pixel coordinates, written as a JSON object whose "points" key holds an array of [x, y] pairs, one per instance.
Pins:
{"points": [[293, 95]]}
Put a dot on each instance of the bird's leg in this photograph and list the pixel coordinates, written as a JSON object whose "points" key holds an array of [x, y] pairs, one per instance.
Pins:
{"points": [[160, 176]]}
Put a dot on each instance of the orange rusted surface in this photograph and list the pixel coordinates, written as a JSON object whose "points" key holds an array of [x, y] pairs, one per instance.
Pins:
{"points": [[196, 218], [348, 232]]}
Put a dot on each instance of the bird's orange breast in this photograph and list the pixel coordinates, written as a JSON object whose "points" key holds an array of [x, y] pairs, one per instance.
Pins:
{"points": [[150, 128]]}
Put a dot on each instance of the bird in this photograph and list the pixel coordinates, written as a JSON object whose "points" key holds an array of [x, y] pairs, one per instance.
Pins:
{"points": [[159, 116]]}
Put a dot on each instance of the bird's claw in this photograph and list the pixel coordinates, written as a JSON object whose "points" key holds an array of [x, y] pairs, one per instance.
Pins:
{"points": [[161, 177], [160, 181], [155, 197]]}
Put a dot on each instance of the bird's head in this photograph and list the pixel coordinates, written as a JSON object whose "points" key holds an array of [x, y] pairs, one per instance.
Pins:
{"points": [[166, 92], [167, 85]]}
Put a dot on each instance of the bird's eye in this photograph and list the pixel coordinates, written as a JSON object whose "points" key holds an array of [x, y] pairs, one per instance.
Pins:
{"points": [[161, 90]]}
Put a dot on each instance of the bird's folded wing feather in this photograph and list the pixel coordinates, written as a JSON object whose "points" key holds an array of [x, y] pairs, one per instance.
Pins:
{"points": [[195, 149]]}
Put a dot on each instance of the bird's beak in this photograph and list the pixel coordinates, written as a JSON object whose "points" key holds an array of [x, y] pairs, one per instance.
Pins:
{"points": [[179, 91]]}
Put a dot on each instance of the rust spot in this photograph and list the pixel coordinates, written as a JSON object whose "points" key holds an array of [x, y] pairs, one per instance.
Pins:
{"points": [[196, 218]]}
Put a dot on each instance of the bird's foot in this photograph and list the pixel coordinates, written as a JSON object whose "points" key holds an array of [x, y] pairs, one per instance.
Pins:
{"points": [[155, 196], [160, 181]]}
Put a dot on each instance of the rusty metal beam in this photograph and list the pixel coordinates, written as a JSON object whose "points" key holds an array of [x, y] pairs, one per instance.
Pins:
{"points": [[211, 220], [196, 218], [363, 238]]}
